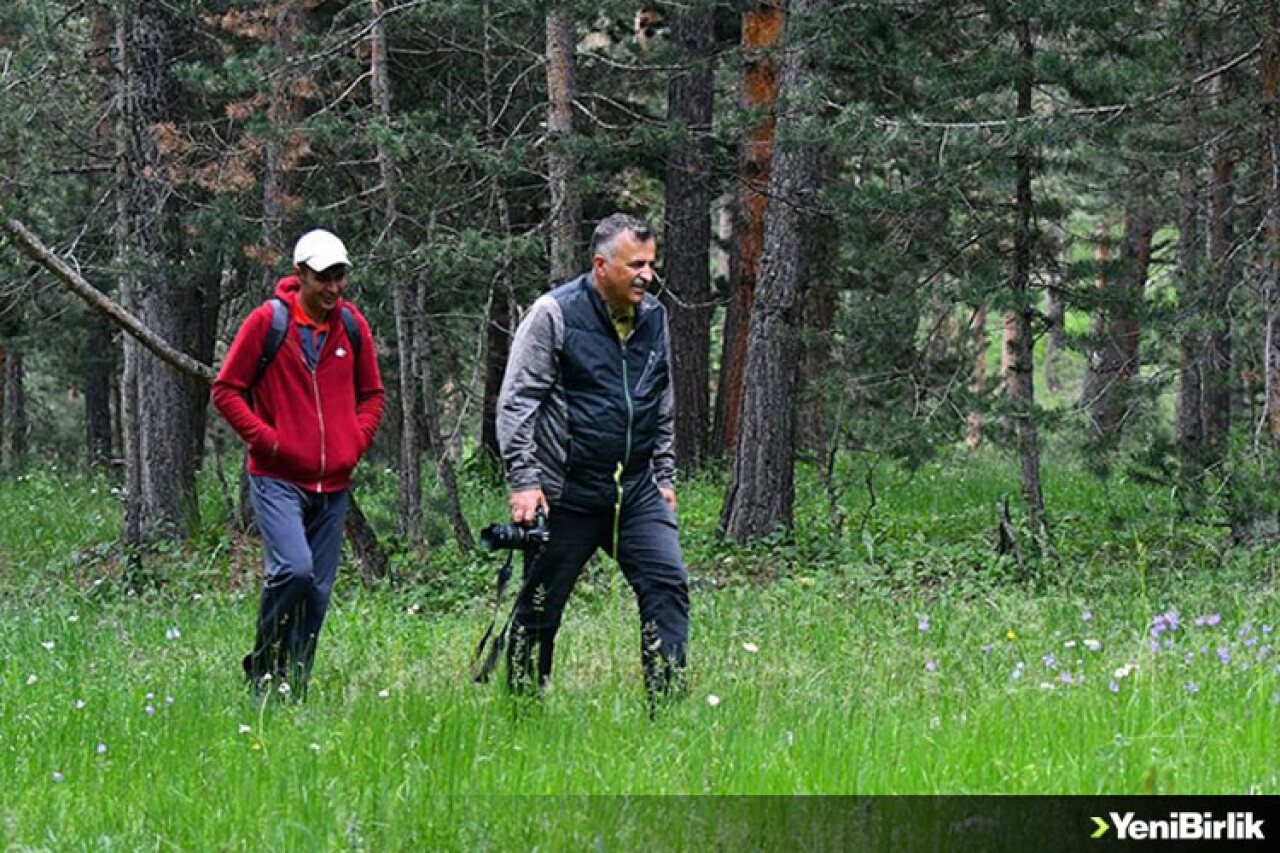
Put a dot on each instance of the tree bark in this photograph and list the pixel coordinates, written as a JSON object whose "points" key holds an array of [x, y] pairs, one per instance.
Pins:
{"points": [[15, 407], [97, 392], [687, 230], [762, 26], [762, 493], [1189, 268], [410, 505], [1019, 385], [1108, 387], [565, 221], [284, 109], [1270, 70], [431, 430], [1055, 345], [978, 376], [1216, 374]]}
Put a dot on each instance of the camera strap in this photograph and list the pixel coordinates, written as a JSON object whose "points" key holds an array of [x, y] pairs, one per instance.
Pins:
{"points": [[485, 657]]}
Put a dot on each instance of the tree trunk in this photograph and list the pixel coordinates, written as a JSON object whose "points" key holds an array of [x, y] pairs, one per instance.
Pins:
{"points": [[762, 26], [4, 395], [1216, 375], [164, 489], [364, 542], [562, 166], [97, 392], [1055, 345], [762, 493], [15, 408], [1189, 268], [1271, 247], [1019, 385], [410, 507], [500, 309], [978, 377], [284, 109], [431, 429], [1115, 365], [687, 230]]}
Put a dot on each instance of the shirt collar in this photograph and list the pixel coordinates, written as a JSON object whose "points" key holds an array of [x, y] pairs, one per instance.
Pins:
{"points": [[300, 317]]}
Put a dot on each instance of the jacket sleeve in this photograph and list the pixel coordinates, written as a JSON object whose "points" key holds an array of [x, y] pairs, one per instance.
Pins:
{"points": [[370, 395], [231, 388], [664, 452], [532, 370]]}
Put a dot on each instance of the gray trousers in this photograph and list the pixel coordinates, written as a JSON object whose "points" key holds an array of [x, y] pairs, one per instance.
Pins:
{"points": [[302, 543], [648, 551]]}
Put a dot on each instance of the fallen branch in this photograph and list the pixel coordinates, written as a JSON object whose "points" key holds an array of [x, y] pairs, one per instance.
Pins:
{"points": [[32, 247]]}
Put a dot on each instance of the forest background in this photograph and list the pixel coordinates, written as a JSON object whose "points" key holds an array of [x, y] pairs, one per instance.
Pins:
{"points": [[973, 299]]}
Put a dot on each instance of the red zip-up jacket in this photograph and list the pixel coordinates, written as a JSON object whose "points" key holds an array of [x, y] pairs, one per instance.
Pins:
{"points": [[308, 427]]}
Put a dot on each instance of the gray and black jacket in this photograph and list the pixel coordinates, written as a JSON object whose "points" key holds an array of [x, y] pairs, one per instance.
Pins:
{"points": [[576, 402]]}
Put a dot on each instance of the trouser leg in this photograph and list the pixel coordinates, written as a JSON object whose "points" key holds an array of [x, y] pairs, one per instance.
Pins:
{"points": [[549, 578], [280, 509], [324, 521], [649, 554]]}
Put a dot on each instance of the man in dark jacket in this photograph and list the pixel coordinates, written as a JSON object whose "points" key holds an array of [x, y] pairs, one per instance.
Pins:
{"points": [[585, 422], [307, 415]]}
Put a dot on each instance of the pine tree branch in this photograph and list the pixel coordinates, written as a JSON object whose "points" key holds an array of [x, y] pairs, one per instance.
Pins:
{"points": [[32, 247]]}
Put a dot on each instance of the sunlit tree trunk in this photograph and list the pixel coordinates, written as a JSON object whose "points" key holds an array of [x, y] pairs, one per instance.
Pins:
{"points": [[762, 493], [762, 26]]}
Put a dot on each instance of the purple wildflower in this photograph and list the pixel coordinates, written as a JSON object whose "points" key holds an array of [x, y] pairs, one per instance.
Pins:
{"points": [[150, 709], [1212, 619], [1064, 677], [923, 624], [931, 666], [102, 749], [1087, 616], [1093, 645], [1224, 654], [1172, 619], [1266, 629], [1050, 661], [1155, 646], [1113, 686], [1191, 687], [1198, 622], [58, 777]]}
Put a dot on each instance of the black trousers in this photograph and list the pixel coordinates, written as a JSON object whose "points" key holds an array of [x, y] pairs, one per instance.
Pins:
{"points": [[648, 550]]}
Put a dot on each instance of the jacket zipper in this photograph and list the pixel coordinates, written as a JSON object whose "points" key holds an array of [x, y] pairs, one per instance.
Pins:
{"points": [[315, 388]]}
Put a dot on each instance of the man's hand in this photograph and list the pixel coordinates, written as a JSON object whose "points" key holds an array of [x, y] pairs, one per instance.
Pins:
{"points": [[525, 505], [668, 495]]}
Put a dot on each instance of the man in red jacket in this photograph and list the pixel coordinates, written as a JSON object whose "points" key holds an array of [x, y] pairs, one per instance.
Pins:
{"points": [[307, 413]]}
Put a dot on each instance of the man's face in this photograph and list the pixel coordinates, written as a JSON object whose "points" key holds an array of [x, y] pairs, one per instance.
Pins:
{"points": [[322, 290], [623, 277]]}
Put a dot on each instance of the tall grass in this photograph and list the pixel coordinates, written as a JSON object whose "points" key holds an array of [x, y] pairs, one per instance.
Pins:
{"points": [[899, 657]]}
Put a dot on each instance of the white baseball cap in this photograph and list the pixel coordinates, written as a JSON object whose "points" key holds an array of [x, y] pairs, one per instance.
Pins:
{"points": [[318, 250]]}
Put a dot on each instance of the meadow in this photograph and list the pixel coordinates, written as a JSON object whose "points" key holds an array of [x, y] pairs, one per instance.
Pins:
{"points": [[885, 651]]}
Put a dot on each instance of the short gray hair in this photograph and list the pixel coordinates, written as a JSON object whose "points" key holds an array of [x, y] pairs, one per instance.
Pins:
{"points": [[604, 240]]}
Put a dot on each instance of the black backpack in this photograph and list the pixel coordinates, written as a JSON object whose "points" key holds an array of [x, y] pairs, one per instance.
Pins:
{"points": [[280, 327]]}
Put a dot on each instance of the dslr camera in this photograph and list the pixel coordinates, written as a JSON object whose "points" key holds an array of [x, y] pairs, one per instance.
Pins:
{"points": [[514, 537]]}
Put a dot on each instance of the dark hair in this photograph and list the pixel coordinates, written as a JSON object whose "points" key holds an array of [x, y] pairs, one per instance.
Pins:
{"points": [[604, 239]]}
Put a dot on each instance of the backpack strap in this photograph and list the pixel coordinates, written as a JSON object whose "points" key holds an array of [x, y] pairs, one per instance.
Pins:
{"points": [[353, 331], [275, 336]]}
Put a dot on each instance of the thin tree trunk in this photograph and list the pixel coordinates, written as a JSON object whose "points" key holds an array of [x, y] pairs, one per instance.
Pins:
{"points": [[1109, 386], [431, 430], [1019, 384], [97, 393], [687, 232], [762, 493], [1216, 375], [15, 407], [1270, 69], [1055, 345], [562, 166], [284, 109], [410, 508], [1189, 269], [762, 26], [978, 376], [500, 309]]}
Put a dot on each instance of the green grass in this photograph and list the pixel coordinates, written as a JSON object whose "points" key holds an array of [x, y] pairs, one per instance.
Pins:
{"points": [[901, 657]]}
